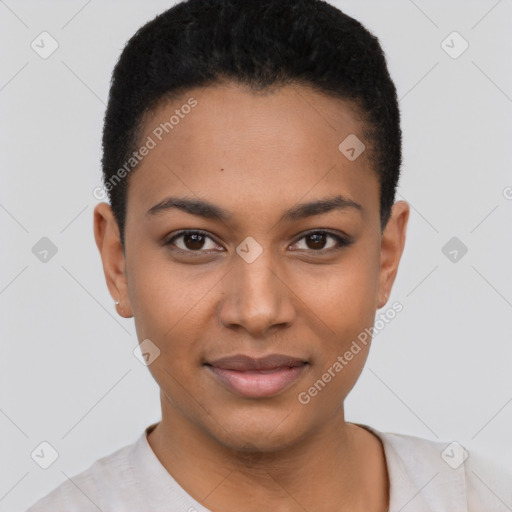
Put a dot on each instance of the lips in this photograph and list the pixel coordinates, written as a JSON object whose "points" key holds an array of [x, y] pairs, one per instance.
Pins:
{"points": [[257, 377], [245, 363]]}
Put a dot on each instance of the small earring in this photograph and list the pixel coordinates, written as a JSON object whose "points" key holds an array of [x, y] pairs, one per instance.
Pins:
{"points": [[117, 302]]}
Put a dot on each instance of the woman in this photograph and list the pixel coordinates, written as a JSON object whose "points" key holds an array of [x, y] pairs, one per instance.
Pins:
{"points": [[251, 156]]}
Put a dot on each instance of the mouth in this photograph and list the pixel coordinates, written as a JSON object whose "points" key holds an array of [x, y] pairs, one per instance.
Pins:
{"points": [[257, 378]]}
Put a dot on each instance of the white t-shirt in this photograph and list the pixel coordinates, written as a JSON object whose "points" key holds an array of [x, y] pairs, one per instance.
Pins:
{"points": [[422, 479]]}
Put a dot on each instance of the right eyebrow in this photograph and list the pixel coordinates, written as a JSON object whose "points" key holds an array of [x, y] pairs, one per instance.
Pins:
{"points": [[193, 206]]}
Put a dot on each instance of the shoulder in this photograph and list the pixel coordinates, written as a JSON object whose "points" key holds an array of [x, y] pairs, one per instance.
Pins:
{"points": [[489, 486], [442, 476], [109, 477]]}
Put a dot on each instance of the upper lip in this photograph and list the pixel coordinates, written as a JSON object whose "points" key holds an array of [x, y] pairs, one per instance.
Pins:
{"points": [[241, 362]]}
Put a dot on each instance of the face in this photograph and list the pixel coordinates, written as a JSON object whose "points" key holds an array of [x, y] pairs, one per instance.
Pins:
{"points": [[254, 258]]}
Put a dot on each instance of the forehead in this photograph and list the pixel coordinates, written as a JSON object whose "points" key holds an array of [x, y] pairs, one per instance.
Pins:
{"points": [[229, 142]]}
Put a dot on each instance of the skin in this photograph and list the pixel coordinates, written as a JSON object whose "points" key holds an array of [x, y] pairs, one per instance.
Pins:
{"points": [[257, 155]]}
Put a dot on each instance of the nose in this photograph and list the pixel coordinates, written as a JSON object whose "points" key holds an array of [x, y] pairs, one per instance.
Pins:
{"points": [[257, 297]]}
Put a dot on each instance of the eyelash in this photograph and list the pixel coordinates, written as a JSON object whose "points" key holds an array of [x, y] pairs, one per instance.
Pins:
{"points": [[342, 241]]}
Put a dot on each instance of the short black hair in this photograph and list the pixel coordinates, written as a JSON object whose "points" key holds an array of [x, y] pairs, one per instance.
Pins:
{"points": [[259, 44]]}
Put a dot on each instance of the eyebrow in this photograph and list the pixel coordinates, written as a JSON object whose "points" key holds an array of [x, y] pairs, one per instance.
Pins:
{"points": [[193, 206], [208, 210], [319, 206]]}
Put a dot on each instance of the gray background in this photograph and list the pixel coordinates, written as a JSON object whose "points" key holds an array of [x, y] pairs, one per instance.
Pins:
{"points": [[440, 369]]}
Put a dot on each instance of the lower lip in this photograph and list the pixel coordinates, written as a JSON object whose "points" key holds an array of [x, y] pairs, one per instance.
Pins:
{"points": [[258, 384]]}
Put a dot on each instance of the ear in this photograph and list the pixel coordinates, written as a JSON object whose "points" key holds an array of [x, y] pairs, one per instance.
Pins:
{"points": [[392, 246], [106, 234]]}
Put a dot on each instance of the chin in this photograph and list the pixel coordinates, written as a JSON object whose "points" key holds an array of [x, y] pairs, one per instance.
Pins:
{"points": [[257, 430]]}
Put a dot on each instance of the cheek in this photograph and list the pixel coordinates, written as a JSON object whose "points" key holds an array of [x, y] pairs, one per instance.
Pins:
{"points": [[345, 295], [345, 302], [167, 299]]}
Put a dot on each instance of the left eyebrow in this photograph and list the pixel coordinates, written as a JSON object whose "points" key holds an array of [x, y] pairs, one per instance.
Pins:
{"points": [[320, 206]]}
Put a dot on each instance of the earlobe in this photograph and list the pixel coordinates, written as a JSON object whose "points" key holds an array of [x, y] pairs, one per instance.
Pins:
{"points": [[106, 234], [383, 300], [392, 246]]}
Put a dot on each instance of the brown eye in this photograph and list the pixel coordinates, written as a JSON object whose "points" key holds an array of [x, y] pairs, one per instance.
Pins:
{"points": [[318, 241], [192, 241]]}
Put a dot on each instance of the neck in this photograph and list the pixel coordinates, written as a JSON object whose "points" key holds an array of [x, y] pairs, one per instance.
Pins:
{"points": [[333, 468]]}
